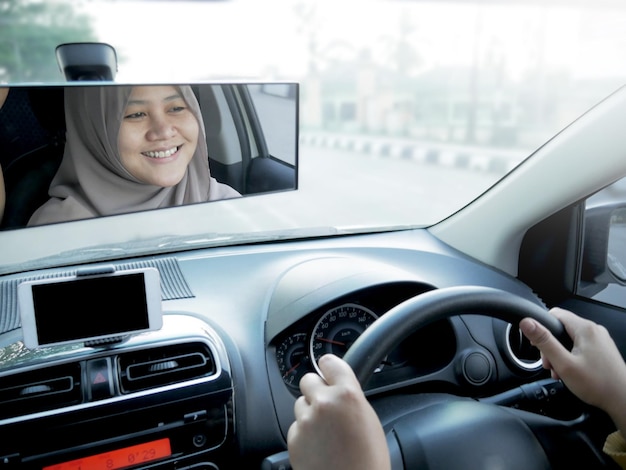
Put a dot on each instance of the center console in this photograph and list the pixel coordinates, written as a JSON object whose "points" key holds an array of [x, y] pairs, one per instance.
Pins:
{"points": [[158, 400]]}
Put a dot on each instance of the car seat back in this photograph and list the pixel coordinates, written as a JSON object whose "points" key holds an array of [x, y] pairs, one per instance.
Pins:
{"points": [[32, 139]]}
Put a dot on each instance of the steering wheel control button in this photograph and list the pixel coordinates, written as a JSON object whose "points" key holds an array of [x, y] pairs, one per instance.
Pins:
{"points": [[278, 461], [477, 368], [100, 384]]}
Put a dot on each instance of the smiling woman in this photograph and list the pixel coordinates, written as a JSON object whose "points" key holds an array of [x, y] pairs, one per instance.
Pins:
{"points": [[112, 162], [158, 136]]}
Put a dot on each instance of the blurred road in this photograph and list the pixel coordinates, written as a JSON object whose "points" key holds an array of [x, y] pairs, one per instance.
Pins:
{"points": [[395, 191]]}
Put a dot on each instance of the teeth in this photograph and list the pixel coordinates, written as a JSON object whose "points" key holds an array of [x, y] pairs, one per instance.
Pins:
{"points": [[161, 154]]}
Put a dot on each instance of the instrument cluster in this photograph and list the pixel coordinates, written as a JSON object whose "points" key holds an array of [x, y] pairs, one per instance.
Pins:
{"points": [[336, 326]]}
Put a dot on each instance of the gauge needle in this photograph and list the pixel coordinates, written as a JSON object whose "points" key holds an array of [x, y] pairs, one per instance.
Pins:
{"points": [[332, 341], [291, 370]]}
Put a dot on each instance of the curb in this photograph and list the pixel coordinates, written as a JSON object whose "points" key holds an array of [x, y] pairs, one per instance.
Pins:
{"points": [[451, 156]]}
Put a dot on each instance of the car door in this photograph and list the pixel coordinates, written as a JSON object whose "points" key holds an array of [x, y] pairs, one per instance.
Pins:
{"points": [[575, 259]]}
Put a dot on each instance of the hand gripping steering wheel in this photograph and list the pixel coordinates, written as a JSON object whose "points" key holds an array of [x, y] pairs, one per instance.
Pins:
{"points": [[458, 432]]}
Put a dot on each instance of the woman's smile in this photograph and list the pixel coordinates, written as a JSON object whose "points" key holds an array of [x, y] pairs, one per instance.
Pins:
{"points": [[160, 154]]}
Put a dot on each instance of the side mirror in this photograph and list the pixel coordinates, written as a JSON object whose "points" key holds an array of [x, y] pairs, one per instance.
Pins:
{"points": [[87, 61], [616, 258], [604, 251]]}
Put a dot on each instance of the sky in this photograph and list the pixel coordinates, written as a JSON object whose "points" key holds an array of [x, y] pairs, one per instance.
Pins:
{"points": [[239, 39]]}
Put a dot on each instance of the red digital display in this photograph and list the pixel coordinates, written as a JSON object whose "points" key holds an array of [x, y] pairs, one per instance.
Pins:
{"points": [[120, 458]]}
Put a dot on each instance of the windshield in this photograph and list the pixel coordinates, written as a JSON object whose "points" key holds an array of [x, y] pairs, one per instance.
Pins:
{"points": [[407, 110]]}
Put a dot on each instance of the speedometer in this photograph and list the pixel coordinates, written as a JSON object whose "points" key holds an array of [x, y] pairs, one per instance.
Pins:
{"points": [[337, 329]]}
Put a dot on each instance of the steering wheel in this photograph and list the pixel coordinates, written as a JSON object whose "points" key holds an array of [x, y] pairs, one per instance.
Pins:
{"points": [[456, 432]]}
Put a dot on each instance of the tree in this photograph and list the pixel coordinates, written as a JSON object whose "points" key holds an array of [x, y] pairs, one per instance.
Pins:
{"points": [[30, 30], [401, 52]]}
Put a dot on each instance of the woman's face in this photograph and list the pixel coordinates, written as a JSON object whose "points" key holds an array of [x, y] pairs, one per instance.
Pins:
{"points": [[158, 135]]}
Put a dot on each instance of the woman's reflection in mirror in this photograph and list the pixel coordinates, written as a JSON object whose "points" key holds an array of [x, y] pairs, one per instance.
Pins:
{"points": [[128, 149]]}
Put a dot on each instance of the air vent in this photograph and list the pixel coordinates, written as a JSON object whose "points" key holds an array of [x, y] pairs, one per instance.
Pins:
{"points": [[150, 368], [523, 354], [39, 390]]}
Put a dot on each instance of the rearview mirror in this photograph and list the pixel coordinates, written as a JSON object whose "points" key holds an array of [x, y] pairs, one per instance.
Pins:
{"points": [[85, 61], [246, 144]]}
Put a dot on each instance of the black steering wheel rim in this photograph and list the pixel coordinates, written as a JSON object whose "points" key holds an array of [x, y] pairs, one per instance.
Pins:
{"points": [[417, 439], [365, 355]]}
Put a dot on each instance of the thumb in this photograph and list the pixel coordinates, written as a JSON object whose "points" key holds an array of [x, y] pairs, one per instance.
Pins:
{"points": [[336, 370], [539, 336]]}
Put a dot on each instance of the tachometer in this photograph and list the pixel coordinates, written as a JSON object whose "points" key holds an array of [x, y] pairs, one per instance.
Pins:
{"points": [[337, 329], [293, 360]]}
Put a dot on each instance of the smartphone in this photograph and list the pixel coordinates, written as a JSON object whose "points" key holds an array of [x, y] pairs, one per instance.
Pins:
{"points": [[93, 308]]}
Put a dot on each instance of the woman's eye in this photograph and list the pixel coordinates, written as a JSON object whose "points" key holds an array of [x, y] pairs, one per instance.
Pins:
{"points": [[177, 109], [135, 115]]}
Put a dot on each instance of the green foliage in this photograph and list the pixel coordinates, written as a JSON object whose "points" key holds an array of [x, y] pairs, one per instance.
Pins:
{"points": [[30, 30]]}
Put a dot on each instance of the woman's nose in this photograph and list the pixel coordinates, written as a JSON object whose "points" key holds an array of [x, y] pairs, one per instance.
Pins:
{"points": [[160, 128]]}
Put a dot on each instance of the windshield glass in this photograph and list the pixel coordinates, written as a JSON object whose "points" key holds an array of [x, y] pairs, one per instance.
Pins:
{"points": [[407, 110]]}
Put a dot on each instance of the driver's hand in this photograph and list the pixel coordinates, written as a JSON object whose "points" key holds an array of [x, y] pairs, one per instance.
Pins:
{"points": [[335, 426], [594, 370]]}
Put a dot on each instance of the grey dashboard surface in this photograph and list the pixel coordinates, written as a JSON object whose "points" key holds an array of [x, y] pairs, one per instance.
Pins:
{"points": [[253, 296]]}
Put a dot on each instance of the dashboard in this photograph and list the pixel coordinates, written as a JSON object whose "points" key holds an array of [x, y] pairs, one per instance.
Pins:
{"points": [[215, 386]]}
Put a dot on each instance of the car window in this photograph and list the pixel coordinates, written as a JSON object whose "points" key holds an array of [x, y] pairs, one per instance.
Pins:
{"points": [[275, 105], [404, 118]]}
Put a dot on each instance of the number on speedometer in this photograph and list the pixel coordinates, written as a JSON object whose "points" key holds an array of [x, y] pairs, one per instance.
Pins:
{"points": [[337, 329]]}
